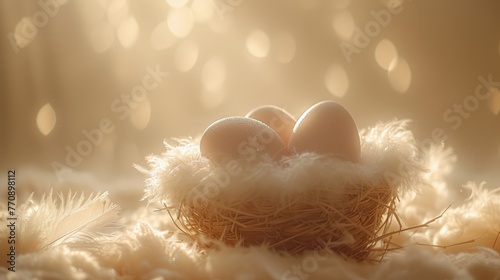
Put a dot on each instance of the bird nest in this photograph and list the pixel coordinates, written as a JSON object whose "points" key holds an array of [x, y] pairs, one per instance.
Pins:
{"points": [[304, 202]]}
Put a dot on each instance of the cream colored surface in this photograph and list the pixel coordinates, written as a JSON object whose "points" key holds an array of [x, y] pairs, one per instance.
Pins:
{"points": [[82, 67]]}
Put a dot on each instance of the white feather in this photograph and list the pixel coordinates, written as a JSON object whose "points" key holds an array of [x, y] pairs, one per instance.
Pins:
{"points": [[83, 218], [70, 219]]}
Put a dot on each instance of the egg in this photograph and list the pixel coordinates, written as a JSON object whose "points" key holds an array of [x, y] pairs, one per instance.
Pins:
{"points": [[326, 128], [276, 118], [236, 138]]}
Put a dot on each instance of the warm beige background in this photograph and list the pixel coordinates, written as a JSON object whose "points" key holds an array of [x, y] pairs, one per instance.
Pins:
{"points": [[285, 53]]}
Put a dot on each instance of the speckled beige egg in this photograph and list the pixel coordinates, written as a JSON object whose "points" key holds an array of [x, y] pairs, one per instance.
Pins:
{"points": [[326, 128], [235, 138], [276, 118]]}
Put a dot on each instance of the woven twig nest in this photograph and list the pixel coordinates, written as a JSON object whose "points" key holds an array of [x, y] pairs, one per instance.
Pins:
{"points": [[305, 202]]}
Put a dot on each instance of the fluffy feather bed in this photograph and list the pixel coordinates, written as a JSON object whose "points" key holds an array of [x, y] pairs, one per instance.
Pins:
{"points": [[70, 236]]}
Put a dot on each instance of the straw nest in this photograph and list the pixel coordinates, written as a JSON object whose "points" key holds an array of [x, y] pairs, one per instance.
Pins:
{"points": [[306, 202]]}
